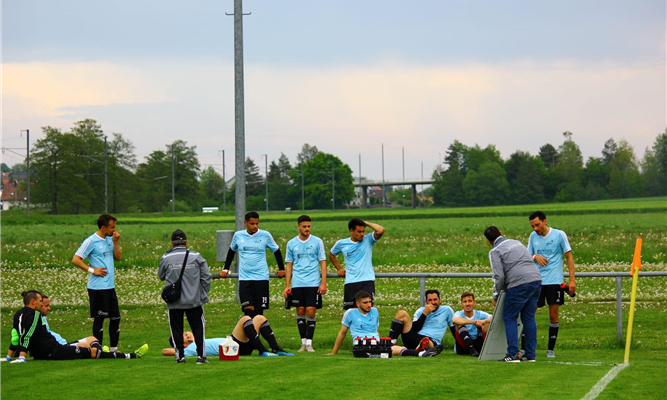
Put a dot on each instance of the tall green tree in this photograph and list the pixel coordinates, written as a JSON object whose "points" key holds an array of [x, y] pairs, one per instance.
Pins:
{"points": [[280, 197], [624, 176], [525, 177], [317, 181], [654, 167], [487, 185], [569, 170], [448, 183], [211, 187]]}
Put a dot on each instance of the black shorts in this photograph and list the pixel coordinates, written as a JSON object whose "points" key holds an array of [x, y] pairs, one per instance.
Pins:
{"points": [[351, 290], [245, 348], [65, 352], [103, 303], [254, 293], [553, 294], [463, 349], [306, 297], [412, 339]]}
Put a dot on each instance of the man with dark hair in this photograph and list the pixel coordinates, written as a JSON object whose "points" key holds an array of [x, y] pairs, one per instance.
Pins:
{"points": [[358, 255], [29, 334], [471, 326], [251, 244], [102, 248], [427, 326], [514, 271], [307, 265], [195, 284], [548, 245]]}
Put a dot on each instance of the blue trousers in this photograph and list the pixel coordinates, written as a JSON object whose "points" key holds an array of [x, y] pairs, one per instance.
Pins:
{"points": [[521, 299]]}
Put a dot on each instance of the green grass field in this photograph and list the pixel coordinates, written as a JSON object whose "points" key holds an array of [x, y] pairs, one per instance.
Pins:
{"points": [[36, 253]]}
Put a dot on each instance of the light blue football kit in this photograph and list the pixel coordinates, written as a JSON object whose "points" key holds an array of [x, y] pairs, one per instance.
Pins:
{"points": [[212, 347], [99, 253], [361, 325], [56, 336], [436, 323], [552, 247], [305, 256], [358, 258], [477, 315], [251, 251]]}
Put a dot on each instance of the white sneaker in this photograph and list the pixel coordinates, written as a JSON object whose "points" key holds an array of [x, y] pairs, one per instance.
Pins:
{"points": [[550, 354], [309, 348], [302, 348]]}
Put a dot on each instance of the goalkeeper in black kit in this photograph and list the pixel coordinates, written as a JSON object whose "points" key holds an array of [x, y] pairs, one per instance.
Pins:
{"points": [[29, 334]]}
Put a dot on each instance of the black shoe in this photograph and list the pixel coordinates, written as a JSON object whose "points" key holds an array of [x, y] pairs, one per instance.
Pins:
{"points": [[474, 352], [180, 360], [526, 359], [512, 359], [202, 360], [433, 351]]}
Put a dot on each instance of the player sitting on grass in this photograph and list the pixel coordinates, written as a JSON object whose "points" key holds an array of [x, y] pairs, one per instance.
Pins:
{"points": [[471, 326], [427, 327], [29, 334], [364, 321], [245, 334]]}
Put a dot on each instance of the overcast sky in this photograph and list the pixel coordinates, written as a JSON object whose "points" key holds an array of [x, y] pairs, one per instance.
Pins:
{"points": [[344, 75]]}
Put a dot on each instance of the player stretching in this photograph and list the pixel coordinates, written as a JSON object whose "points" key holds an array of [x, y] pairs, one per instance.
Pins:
{"points": [[306, 270], [547, 246], [358, 254]]}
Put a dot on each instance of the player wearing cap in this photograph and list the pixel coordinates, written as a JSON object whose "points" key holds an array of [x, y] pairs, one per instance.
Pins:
{"points": [[471, 326], [251, 244], [306, 269], [358, 255], [195, 284], [101, 249]]}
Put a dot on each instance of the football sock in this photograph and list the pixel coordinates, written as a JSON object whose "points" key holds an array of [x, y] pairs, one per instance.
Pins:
{"points": [[98, 328], [395, 330], [309, 342], [98, 346], [267, 333], [253, 337], [553, 334], [465, 335], [114, 332], [301, 324], [410, 353], [310, 329]]}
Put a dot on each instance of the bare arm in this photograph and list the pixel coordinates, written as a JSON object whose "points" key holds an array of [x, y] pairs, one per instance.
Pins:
{"points": [[78, 261], [339, 339], [379, 230], [117, 253], [570, 267], [323, 285], [288, 276], [334, 261]]}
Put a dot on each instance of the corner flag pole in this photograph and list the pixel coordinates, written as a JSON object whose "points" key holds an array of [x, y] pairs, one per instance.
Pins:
{"points": [[634, 271]]}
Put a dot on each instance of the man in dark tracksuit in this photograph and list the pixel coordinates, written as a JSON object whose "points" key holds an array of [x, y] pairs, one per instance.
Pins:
{"points": [[29, 334], [195, 285]]}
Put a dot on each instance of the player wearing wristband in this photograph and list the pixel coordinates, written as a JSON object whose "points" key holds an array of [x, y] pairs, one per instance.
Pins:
{"points": [[251, 245], [101, 249], [306, 269], [548, 246]]}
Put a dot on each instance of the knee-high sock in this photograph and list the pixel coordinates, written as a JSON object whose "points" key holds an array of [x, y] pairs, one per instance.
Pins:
{"points": [[98, 328], [465, 335], [252, 335], [553, 334], [267, 333], [395, 330], [409, 353], [114, 332], [301, 324], [310, 329]]}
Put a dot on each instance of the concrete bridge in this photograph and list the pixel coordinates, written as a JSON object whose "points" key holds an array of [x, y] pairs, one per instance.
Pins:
{"points": [[365, 185]]}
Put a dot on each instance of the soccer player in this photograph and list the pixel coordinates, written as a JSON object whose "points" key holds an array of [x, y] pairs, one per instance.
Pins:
{"points": [[513, 270], [471, 326], [245, 334], [29, 334], [426, 328], [306, 271], [358, 254], [548, 245], [101, 249], [364, 321], [251, 244]]}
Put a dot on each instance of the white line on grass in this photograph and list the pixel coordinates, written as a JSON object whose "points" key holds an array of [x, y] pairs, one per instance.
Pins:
{"points": [[584, 364], [602, 383]]}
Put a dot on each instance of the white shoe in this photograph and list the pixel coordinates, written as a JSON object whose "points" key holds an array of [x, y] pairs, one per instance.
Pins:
{"points": [[302, 348], [309, 348]]}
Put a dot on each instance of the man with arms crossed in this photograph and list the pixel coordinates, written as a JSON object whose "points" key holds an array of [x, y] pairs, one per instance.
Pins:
{"points": [[358, 254], [426, 328], [251, 244], [471, 326], [102, 248], [547, 245], [306, 271], [515, 272]]}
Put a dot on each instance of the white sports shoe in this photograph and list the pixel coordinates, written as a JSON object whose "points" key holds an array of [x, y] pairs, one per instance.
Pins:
{"points": [[309, 348], [302, 348]]}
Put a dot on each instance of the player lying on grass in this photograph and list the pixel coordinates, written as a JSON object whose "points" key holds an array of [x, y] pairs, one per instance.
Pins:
{"points": [[427, 327], [29, 334], [364, 321], [245, 334], [471, 326]]}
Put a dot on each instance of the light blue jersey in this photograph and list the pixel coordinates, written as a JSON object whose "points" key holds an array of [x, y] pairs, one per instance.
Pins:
{"points": [[436, 323], [361, 325], [99, 253], [552, 246], [58, 338], [212, 348], [358, 258], [477, 315], [252, 254], [306, 257]]}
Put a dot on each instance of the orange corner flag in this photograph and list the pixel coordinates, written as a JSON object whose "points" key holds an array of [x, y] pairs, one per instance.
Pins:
{"points": [[637, 259]]}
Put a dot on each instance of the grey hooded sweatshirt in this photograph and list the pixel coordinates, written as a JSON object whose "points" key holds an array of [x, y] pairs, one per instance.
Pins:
{"points": [[196, 280], [512, 265]]}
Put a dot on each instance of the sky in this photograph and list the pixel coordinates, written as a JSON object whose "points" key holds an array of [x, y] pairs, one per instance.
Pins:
{"points": [[348, 76]]}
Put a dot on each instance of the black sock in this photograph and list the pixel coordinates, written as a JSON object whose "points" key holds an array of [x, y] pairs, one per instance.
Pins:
{"points": [[98, 328], [465, 335], [409, 353], [301, 324], [310, 331], [114, 331], [253, 337], [267, 333], [98, 346], [396, 329], [553, 334]]}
